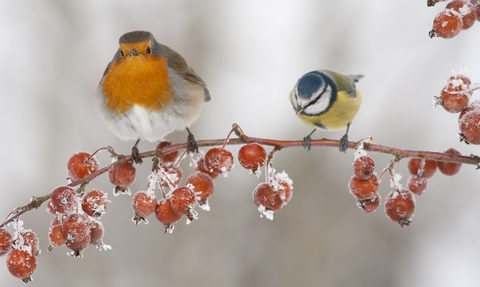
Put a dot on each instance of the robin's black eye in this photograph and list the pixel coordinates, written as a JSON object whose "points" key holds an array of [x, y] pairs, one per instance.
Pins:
{"points": [[149, 50], [121, 54]]}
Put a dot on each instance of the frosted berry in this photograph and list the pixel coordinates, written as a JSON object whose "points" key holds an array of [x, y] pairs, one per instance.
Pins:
{"points": [[143, 204], [218, 160], [63, 200], [166, 215], [56, 236], [370, 205], [78, 246], [252, 156], [202, 185], [97, 232], [449, 168], [455, 96], [183, 199], [168, 159], [428, 170], [5, 241], [76, 227], [170, 177], [400, 207], [21, 264], [466, 11], [80, 165], [266, 196], [417, 184], [287, 189], [201, 168], [468, 123], [30, 241], [94, 203], [447, 24], [363, 167], [363, 189], [122, 176]]}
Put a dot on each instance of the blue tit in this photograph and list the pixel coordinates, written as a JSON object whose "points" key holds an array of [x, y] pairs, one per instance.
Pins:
{"points": [[326, 100]]}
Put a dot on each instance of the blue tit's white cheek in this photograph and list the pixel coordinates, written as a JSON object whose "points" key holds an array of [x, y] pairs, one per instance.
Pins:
{"points": [[321, 105], [293, 99]]}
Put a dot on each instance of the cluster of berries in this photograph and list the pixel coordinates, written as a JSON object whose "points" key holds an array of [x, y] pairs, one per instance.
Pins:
{"points": [[22, 249], [455, 98], [400, 202], [458, 15]]}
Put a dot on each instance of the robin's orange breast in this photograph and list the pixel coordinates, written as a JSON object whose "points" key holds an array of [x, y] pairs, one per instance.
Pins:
{"points": [[140, 80]]}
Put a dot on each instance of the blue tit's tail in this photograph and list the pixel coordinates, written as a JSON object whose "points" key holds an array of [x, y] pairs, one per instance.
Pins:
{"points": [[356, 78]]}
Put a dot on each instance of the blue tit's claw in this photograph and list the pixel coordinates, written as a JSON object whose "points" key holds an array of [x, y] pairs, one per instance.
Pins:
{"points": [[306, 143], [343, 143]]}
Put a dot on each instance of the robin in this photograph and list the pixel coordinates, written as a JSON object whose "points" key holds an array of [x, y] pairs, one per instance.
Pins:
{"points": [[148, 91]]}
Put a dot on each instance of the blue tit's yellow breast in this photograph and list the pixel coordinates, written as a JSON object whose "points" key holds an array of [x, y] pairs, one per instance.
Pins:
{"points": [[341, 113]]}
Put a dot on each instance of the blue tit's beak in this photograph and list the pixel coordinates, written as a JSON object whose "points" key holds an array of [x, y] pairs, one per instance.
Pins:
{"points": [[299, 110]]}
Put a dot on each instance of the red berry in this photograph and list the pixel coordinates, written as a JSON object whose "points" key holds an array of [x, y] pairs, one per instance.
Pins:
{"points": [[94, 203], [144, 204], [218, 160], [55, 235], [252, 156], [363, 167], [370, 205], [122, 176], [63, 200], [76, 228], [449, 168], [5, 241], [96, 235], [447, 24], [202, 185], [30, 242], [287, 189], [80, 165], [78, 246], [400, 207], [265, 196], [168, 159], [417, 184], [429, 167], [21, 264], [166, 215], [183, 199], [468, 123], [455, 96], [466, 10], [201, 168], [170, 177], [363, 189]]}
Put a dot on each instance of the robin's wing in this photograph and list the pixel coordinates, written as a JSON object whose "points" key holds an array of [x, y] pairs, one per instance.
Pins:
{"points": [[178, 63]]}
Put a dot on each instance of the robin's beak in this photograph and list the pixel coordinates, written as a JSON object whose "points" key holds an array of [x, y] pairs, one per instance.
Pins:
{"points": [[133, 53]]}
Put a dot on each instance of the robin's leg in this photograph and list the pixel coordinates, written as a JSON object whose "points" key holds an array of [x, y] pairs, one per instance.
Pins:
{"points": [[136, 153], [192, 145]]}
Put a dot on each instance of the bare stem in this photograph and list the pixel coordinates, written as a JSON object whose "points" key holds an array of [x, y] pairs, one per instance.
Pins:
{"points": [[277, 144]]}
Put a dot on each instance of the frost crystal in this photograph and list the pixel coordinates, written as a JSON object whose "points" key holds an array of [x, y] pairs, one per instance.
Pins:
{"points": [[265, 212], [395, 182], [360, 151]]}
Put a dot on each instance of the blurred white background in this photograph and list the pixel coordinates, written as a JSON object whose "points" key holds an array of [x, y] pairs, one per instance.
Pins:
{"points": [[251, 53]]}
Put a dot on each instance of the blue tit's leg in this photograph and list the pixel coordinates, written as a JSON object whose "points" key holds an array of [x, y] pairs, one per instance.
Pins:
{"points": [[342, 146], [306, 141], [136, 153], [192, 145]]}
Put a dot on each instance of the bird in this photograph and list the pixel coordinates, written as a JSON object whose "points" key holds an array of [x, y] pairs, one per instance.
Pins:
{"points": [[326, 100], [149, 91]]}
